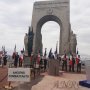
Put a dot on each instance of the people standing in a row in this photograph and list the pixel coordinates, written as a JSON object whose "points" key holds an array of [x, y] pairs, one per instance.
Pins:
{"points": [[18, 59], [72, 61]]}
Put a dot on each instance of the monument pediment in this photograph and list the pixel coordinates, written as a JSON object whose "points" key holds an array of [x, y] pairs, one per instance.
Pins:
{"points": [[52, 4]]}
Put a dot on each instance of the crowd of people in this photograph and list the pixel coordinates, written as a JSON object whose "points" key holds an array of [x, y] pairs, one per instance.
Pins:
{"points": [[18, 59], [3, 59], [67, 63], [71, 63]]}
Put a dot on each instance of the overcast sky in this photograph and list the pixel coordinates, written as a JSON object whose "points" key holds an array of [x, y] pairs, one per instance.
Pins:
{"points": [[16, 15]]}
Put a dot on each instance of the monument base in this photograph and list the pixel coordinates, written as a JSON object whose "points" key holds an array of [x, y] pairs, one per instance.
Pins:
{"points": [[26, 61], [85, 83], [53, 67]]}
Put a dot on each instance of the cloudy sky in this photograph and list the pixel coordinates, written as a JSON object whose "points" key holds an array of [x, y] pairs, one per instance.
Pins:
{"points": [[16, 15]]}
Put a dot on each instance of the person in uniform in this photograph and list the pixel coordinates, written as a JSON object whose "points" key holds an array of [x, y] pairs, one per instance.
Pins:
{"points": [[5, 59], [16, 59], [20, 59], [70, 64], [79, 64], [45, 63], [64, 64], [73, 63]]}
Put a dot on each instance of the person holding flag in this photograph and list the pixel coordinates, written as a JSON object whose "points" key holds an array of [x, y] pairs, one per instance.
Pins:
{"points": [[78, 62], [45, 60], [31, 60], [70, 63], [73, 63], [64, 64], [20, 59], [14, 53], [38, 57]]}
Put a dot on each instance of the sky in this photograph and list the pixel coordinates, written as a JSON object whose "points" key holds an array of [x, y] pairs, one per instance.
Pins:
{"points": [[16, 15]]}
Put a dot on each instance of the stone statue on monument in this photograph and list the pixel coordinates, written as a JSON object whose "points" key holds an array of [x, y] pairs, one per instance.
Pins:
{"points": [[30, 41], [26, 44]]}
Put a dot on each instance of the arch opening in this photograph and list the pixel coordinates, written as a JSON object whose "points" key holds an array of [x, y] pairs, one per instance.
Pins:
{"points": [[42, 21], [50, 32]]}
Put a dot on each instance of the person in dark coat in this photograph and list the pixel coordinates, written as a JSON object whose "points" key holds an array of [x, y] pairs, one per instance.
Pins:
{"points": [[78, 61], [64, 64], [70, 64], [41, 63], [5, 59], [45, 64], [73, 63], [16, 60], [0, 59]]}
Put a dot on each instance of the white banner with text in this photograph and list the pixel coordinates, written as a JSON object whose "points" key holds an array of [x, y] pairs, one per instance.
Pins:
{"points": [[19, 74]]}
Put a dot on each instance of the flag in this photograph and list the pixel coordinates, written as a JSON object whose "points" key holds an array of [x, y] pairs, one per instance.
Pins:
{"points": [[15, 48], [4, 50], [56, 48], [45, 52], [50, 53], [77, 51], [23, 49]]}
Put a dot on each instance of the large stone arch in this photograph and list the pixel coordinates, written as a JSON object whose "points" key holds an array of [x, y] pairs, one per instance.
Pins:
{"points": [[58, 11]]}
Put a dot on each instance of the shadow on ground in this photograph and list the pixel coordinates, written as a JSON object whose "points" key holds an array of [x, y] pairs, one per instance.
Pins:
{"points": [[28, 86]]}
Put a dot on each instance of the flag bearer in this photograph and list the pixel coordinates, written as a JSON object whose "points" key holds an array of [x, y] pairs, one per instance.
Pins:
{"points": [[70, 64], [73, 63], [78, 62], [64, 64]]}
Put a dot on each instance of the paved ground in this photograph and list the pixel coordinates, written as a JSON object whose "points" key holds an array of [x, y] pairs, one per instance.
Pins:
{"points": [[43, 80], [3, 76], [28, 86], [67, 81], [46, 82]]}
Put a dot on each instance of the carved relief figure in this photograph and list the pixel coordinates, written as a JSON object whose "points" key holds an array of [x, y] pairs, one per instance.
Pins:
{"points": [[26, 44]]}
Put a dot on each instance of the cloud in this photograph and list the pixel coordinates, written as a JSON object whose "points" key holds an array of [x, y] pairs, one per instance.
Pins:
{"points": [[16, 15]]}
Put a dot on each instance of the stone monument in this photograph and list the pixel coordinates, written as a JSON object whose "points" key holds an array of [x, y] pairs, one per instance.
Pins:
{"points": [[53, 10]]}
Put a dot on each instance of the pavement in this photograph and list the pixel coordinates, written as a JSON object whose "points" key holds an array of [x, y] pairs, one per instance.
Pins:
{"points": [[67, 81], [3, 76], [43, 81]]}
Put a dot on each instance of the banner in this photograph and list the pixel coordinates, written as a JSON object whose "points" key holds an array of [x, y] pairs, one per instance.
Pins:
{"points": [[19, 74]]}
